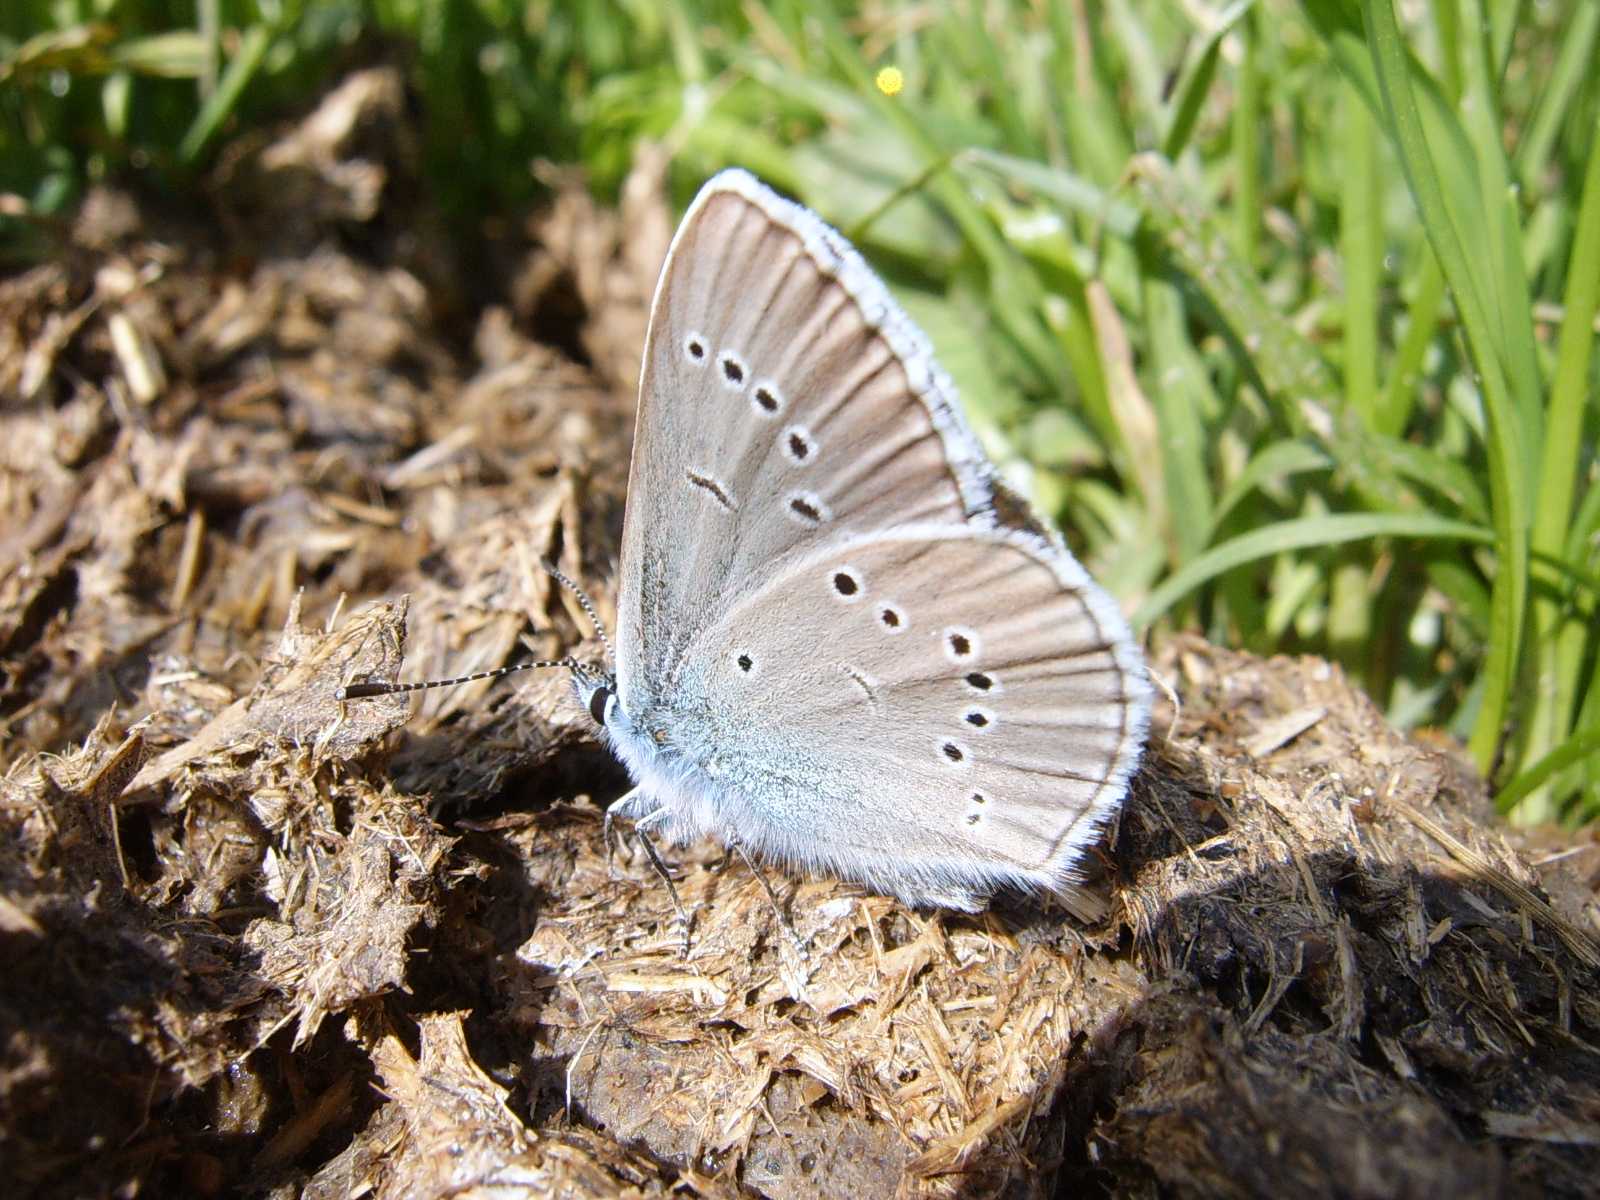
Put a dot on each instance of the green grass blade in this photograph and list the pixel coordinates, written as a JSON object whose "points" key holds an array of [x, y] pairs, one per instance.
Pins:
{"points": [[1509, 486], [1405, 370], [1301, 534], [1574, 64], [1195, 82], [1508, 302], [1098, 141], [241, 70], [1562, 632], [1447, 21], [1133, 418], [1247, 134], [1434, 471], [1179, 394], [1293, 375], [1499, 24], [1071, 191], [1570, 391], [1275, 461], [1571, 752], [181, 54], [1361, 249]]}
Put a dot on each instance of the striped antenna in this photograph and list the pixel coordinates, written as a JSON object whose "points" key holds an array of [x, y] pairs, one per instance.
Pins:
{"points": [[363, 691], [587, 604]]}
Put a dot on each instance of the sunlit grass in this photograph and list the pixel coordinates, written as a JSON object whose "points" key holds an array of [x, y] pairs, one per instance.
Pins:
{"points": [[1286, 310]]}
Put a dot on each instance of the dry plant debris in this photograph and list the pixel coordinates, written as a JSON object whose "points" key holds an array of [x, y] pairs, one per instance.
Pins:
{"points": [[258, 941]]}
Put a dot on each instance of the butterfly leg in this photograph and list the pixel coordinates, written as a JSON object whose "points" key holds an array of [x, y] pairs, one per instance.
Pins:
{"points": [[608, 828], [661, 870], [777, 907], [627, 807]]}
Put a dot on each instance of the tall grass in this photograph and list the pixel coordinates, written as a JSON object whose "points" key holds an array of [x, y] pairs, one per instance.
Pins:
{"points": [[1286, 311]]}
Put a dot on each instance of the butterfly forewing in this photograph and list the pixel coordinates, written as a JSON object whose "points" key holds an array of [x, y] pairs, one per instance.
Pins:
{"points": [[776, 409]]}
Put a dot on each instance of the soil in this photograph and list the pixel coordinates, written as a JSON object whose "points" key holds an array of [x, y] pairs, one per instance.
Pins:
{"points": [[261, 942]]}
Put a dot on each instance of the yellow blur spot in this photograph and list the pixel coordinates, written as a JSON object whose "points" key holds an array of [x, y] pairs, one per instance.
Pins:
{"points": [[890, 81]]}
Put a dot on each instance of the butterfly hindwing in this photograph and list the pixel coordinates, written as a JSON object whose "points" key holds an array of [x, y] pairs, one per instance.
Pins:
{"points": [[954, 694]]}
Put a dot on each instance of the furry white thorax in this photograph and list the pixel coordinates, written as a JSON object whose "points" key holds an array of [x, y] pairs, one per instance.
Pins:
{"points": [[673, 795]]}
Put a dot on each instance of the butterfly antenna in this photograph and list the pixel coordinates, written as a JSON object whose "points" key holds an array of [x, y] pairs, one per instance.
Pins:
{"points": [[584, 602], [362, 691]]}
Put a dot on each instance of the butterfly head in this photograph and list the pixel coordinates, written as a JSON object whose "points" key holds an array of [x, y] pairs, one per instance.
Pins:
{"points": [[596, 690]]}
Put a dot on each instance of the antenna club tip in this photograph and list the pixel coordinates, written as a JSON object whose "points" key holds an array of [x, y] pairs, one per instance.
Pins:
{"points": [[362, 691]]}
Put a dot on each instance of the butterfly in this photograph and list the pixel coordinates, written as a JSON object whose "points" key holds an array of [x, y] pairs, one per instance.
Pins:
{"points": [[842, 643]]}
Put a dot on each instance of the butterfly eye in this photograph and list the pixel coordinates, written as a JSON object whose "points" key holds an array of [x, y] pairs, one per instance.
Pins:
{"points": [[598, 700]]}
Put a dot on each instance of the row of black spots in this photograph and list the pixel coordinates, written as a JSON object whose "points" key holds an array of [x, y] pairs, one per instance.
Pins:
{"points": [[734, 373], [796, 442], [955, 754], [961, 643], [962, 648], [799, 447], [849, 586]]}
